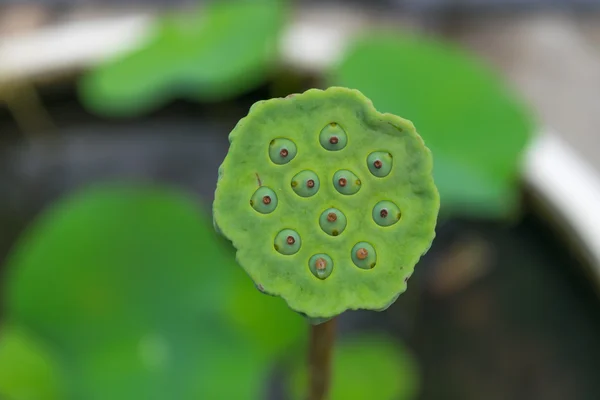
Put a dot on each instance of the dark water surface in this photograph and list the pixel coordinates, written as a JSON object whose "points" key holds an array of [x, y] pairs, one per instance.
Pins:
{"points": [[492, 312]]}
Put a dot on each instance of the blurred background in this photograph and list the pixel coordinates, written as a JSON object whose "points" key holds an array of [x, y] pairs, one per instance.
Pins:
{"points": [[114, 119]]}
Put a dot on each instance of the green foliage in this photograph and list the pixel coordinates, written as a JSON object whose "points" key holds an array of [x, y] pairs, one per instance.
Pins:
{"points": [[365, 367], [134, 289], [28, 369], [469, 119], [213, 54], [276, 241]]}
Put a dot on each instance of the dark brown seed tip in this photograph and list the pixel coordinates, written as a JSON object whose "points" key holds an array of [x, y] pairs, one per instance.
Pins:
{"points": [[377, 164], [290, 240], [283, 153], [333, 140], [362, 253], [321, 264], [331, 217], [267, 200], [342, 182], [383, 213], [310, 183], [334, 233], [251, 202], [333, 124]]}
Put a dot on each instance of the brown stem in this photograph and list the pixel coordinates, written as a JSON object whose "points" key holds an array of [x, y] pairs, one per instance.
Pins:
{"points": [[322, 338]]}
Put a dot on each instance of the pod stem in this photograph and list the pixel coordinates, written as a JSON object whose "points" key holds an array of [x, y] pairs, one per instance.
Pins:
{"points": [[322, 338]]}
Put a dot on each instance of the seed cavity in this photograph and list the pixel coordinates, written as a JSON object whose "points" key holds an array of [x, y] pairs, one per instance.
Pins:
{"points": [[346, 182], [264, 200], [305, 183], [321, 265], [282, 151], [363, 255], [386, 213], [333, 137], [380, 163], [287, 242], [332, 221]]}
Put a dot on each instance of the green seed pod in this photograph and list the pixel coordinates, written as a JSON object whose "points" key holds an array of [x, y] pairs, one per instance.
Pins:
{"points": [[346, 182], [380, 163], [319, 274], [332, 221], [306, 183], [386, 213], [282, 151], [333, 137]]}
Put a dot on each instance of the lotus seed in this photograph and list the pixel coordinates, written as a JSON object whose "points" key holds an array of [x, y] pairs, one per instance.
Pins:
{"points": [[287, 242], [321, 265], [282, 151], [386, 213], [380, 163], [264, 200], [346, 182], [333, 137], [305, 183], [363, 255], [332, 221]]}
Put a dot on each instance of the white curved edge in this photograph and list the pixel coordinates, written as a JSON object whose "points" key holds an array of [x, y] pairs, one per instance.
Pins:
{"points": [[307, 44], [552, 168], [570, 185], [70, 46]]}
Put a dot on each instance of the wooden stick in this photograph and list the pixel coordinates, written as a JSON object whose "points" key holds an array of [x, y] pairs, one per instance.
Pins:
{"points": [[322, 338]]}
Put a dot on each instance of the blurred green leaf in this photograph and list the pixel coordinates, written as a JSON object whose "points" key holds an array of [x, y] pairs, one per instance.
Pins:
{"points": [[220, 51], [28, 369], [369, 366], [474, 125], [266, 320], [132, 285]]}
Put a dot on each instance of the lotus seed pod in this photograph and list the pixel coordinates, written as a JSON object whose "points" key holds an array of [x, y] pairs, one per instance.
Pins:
{"points": [[350, 214]]}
